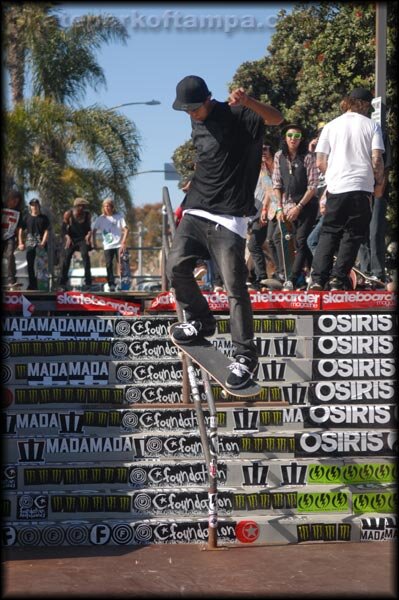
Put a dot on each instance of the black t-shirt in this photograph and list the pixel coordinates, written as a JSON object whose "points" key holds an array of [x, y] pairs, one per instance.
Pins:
{"points": [[36, 225], [228, 145]]}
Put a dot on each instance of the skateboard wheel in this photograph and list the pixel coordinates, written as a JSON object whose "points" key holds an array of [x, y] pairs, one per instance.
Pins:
{"points": [[224, 394]]}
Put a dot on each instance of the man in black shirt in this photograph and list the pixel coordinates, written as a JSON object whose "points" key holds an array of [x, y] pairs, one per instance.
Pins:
{"points": [[76, 229], [228, 139], [37, 229]]}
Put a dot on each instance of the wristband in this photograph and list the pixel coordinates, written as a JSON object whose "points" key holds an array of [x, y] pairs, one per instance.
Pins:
{"points": [[300, 205], [278, 210]]}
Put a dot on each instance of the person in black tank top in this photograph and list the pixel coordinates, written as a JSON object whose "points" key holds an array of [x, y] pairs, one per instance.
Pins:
{"points": [[76, 229]]}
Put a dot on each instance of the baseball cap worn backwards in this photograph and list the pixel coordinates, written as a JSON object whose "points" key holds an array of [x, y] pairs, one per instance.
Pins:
{"points": [[191, 93], [361, 94]]}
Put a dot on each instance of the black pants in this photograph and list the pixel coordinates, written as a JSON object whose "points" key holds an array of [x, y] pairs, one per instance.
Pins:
{"points": [[200, 238], [302, 226], [345, 227], [83, 248], [256, 240], [109, 256], [30, 259]]}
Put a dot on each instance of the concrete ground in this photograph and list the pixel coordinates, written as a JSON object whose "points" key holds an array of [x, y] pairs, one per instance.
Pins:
{"points": [[359, 570]]}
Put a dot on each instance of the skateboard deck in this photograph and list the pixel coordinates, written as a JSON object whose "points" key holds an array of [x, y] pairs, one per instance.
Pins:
{"points": [[215, 363], [124, 265], [287, 247], [41, 264], [365, 280], [271, 284]]}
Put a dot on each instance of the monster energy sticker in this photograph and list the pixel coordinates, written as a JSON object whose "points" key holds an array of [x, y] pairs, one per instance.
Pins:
{"points": [[324, 532], [57, 348], [301, 325], [137, 394]]}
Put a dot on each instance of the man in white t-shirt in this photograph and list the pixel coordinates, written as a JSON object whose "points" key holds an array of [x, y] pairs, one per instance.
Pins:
{"points": [[349, 152], [114, 234]]}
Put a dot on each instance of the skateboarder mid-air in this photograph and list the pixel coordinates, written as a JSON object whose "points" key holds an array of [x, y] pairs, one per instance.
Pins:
{"points": [[228, 138]]}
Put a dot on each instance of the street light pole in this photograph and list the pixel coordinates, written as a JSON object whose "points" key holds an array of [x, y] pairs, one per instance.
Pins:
{"points": [[148, 102]]}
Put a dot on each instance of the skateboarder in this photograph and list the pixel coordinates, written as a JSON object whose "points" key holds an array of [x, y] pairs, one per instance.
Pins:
{"points": [[228, 139], [114, 235], [37, 227]]}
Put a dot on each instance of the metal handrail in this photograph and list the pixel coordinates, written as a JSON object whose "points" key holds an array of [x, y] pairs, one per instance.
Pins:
{"points": [[210, 447]]}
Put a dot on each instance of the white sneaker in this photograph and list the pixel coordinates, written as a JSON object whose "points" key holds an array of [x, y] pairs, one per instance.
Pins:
{"points": [[218, 288]]}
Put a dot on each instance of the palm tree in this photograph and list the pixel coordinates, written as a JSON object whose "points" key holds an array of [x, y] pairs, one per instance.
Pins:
{"points": [[52, 147], [47, 143]]}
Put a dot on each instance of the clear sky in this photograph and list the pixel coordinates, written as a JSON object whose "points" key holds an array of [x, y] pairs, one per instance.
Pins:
{"points": [[166, 43]]}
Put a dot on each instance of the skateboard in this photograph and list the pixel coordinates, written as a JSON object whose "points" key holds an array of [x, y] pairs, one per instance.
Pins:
{"points": [[124, 266], [215, 363], [41, 266], [287, 247], [360, 279]]}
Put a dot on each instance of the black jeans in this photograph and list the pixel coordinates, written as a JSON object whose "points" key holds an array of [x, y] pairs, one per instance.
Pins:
{"points": [[256, 240], [345, 226], [372, 251], [7, 252], [109, 256], [30, 259], [200, 238], [302, 226], [83, 248]]}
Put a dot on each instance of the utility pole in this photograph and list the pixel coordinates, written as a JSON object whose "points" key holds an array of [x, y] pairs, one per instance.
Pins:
{"points": [[380, 92]]}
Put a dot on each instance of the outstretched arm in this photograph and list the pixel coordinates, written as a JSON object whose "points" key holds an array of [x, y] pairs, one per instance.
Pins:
{"points": [[270, 115]]}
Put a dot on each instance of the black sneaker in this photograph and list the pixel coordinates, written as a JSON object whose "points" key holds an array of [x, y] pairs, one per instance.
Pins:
{"points": [[315, 287], [242, 371], [336, 285], [191, 331]]}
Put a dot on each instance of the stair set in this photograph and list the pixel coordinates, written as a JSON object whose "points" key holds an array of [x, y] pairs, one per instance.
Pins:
{"points": [[101, 449]]}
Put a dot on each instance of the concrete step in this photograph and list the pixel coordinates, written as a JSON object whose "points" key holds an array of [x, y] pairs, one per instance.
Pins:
{"points": [[274, 474], [229, 419], [125, 447], [150, 503], [256, 530]]}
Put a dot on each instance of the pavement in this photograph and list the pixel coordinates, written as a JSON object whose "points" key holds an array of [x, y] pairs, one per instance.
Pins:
{"points": [[318, 570]]}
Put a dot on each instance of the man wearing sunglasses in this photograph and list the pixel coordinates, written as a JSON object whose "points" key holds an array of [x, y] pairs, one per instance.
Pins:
{"points": [[227, 137], [295, 180]]}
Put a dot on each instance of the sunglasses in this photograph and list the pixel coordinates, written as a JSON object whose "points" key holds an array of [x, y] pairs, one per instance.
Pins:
{"points": [[295, 136]]}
